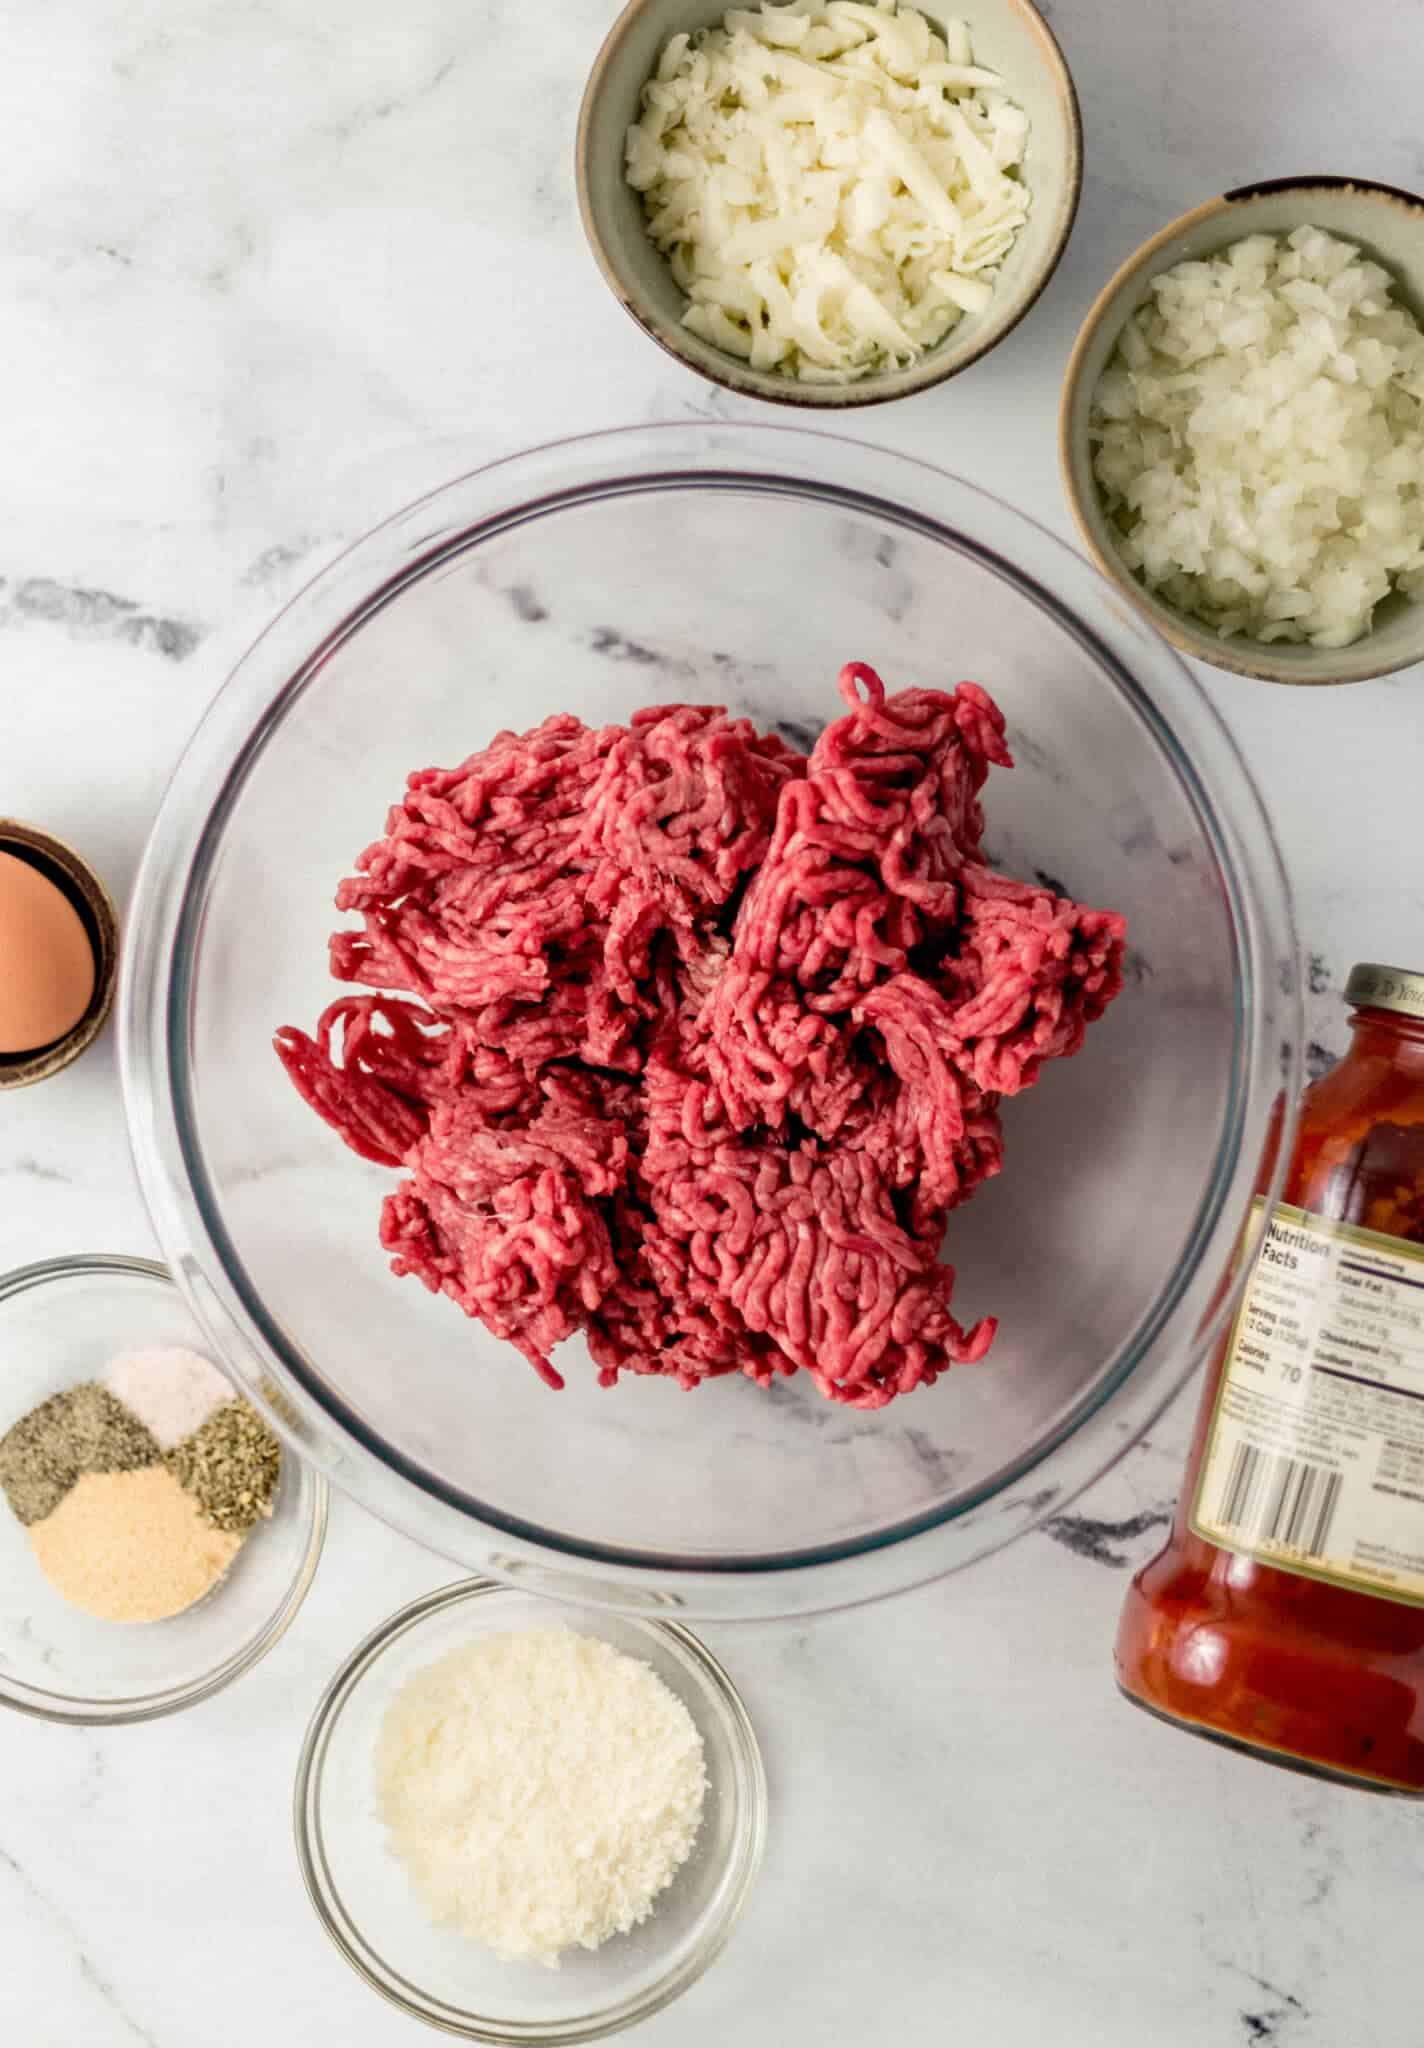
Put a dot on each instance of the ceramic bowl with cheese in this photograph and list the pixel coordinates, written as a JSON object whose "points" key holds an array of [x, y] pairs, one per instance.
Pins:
{"points": [[1008, 38]]}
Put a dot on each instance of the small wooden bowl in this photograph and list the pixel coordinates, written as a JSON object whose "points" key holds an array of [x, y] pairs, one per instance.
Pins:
{"points": [[61, 865], [1389, 226]]}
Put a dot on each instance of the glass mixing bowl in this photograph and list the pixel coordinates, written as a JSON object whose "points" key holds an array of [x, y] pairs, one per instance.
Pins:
{"points": [[742, 566]]}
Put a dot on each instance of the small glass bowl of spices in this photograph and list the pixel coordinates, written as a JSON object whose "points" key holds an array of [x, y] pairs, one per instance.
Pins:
{"points": [[520, 1822], [155, 1538]]}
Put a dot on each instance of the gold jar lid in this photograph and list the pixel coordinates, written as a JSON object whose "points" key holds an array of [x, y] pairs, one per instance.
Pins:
{"points": [[1372, 987]]}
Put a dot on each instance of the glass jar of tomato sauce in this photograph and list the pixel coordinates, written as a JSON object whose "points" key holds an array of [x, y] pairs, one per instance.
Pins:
{"points": [[1285, 1616]]}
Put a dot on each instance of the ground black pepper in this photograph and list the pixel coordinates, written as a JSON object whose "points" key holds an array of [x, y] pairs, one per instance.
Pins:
{"points": [[84, 1429]]}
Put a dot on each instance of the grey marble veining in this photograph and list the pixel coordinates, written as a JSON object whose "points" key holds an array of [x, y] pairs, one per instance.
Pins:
{"points": [[99, 614], [271, 271]]}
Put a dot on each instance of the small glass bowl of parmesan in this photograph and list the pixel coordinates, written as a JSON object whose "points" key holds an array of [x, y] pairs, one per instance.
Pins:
{"points": [[481, 1700], [121, 1597]]}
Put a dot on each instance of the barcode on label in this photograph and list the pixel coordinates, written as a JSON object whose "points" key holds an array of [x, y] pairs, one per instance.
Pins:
{"points": [[1270, 1498]]}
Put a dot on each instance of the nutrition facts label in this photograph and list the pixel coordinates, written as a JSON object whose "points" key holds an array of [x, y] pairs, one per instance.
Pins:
{"points": [[1315, 1456]]}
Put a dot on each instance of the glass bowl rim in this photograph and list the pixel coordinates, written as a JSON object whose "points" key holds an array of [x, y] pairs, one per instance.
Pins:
{"points": [[41, 1702], [358, 584], [744, 1856]]}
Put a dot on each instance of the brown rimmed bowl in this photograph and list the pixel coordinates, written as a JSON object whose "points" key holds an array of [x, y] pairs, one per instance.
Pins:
{"points": [[1010, 36], [78, 883], [1388, 225]]}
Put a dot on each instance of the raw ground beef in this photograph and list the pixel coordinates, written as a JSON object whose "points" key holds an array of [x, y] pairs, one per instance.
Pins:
{"points": [[692, 1043]]}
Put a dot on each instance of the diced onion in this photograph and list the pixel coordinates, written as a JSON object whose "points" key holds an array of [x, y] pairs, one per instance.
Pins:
{"points": [[1259, 440]]}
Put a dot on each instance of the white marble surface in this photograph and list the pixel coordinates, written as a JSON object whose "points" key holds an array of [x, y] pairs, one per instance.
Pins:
{"points": [[271, 268]]}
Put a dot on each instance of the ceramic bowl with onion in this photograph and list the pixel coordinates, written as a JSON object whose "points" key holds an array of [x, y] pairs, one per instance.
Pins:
{"points": [[1009, 36], [1387, 225]]}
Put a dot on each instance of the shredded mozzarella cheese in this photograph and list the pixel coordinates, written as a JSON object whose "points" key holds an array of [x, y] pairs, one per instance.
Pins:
{"points": [[834, 184], [1259, 438]]}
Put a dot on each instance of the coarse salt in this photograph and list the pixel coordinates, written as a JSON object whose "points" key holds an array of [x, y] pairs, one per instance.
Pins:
{"points": [[171, 1390]]}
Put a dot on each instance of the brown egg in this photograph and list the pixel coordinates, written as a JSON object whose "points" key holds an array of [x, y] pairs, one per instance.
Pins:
{"points": [[46, 960]]}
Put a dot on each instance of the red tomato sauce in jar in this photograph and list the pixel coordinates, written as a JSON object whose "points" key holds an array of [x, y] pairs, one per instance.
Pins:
{"points": [[1285, 1615]]}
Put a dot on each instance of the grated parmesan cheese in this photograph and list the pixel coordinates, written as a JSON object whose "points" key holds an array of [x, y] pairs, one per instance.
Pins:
{"points": [[1259, 440], [541, 1789], [834, 184]]}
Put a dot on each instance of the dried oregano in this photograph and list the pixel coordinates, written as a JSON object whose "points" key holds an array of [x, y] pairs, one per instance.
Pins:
{"points": [[231, 1467]]}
